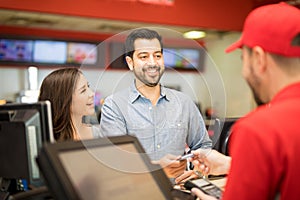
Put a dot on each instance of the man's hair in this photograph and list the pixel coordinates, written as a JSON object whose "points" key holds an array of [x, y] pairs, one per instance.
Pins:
{"points": [[142, 33], [296, 40], [286, 63]]}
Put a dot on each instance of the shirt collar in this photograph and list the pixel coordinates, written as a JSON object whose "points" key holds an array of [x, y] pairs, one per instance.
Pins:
{"points": [[135, 94], [164, 92], [292, 90]]}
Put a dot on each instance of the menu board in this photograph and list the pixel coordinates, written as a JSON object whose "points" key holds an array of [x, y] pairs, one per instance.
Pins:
{"points": [[16, 50], [47, 51], [181, 58], [82, 53], [74, 53]]}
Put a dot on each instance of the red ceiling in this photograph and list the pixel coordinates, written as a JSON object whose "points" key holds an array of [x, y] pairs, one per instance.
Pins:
{"points": [[212, 14]]}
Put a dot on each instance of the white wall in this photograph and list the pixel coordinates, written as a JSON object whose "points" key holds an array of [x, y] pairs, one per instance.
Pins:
{"points": [[239, 98], [221, 86], [11, 82]]}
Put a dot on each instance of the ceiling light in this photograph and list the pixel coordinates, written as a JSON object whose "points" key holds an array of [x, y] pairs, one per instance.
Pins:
{"points": [[194, 34]]}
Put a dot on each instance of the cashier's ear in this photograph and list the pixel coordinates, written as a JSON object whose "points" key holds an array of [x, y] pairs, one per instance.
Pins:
{"points": [[260, 61], [129, 62]]}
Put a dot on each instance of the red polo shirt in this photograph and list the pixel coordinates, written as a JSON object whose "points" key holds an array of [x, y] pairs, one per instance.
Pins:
{"points": [[265, 150]]}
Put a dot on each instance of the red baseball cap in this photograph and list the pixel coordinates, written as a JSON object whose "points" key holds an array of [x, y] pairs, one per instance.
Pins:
{"points": [[272, 27]]}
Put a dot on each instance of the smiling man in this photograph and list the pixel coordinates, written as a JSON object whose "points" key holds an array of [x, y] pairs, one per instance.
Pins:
{"points": [[164, 120]]}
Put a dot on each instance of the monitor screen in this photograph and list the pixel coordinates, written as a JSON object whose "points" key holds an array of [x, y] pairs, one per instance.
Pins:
{"points": [[23, 130], [16, 50], [113, 168], [47, 51], [82, 53], [180, 58], [90, 186]]}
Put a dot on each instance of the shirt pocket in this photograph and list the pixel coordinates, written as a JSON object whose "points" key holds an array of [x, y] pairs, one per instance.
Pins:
{"points": [[173, 137]]}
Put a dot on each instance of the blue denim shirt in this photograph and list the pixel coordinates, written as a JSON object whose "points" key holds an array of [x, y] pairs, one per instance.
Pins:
{"points": [[162, 129]]}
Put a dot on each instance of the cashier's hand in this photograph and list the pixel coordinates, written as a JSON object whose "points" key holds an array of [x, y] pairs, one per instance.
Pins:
{"points": [[171, 165], [210, 162], [201, 195]]}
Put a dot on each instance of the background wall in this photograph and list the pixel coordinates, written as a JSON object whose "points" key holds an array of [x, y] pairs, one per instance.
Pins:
{"points": [[220, 86]]}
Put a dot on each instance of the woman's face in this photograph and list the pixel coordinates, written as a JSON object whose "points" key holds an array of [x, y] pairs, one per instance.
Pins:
{"points": [[82, 99]]}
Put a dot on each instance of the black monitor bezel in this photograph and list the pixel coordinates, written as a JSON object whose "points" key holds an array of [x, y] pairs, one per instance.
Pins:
{"points": [[44, 108], [46, 135], [56, 176]]}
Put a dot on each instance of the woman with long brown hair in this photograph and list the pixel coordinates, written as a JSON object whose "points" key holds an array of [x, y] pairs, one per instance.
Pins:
{"points": [[71, 99]]}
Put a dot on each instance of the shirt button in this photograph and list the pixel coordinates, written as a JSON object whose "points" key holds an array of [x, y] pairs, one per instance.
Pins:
{"points": [[150, 108], [158, 146], [178, 124]]}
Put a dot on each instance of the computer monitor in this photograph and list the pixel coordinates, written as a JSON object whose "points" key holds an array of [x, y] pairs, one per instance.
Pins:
{"points": [[23, 130], [226, 125], [219, 131], [104, 168]]}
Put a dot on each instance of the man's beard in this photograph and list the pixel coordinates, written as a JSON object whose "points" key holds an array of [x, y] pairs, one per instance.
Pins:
{"points": [[143, 78], [255, 82], [256, 97]]}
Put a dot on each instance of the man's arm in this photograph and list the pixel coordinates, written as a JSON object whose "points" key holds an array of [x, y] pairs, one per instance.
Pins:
{"points": [[112, 121], [197, 136]]}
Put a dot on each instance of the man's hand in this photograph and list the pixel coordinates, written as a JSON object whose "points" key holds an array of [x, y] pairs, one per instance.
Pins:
{"points": [[187, 175], [171, 165]]}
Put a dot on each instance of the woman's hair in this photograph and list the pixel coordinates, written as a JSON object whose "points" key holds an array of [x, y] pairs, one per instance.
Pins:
{"points": [[58, 87]]}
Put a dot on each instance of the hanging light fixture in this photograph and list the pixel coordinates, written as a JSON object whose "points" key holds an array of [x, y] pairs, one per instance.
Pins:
{"points": [[194, 34]]}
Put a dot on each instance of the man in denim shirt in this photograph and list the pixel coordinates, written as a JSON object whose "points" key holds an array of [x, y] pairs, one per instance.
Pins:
{"points": [[164, 120]]}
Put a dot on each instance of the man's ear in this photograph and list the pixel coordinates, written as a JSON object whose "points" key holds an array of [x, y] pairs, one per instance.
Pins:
{"points": [[259, 59], [129, 62]]}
